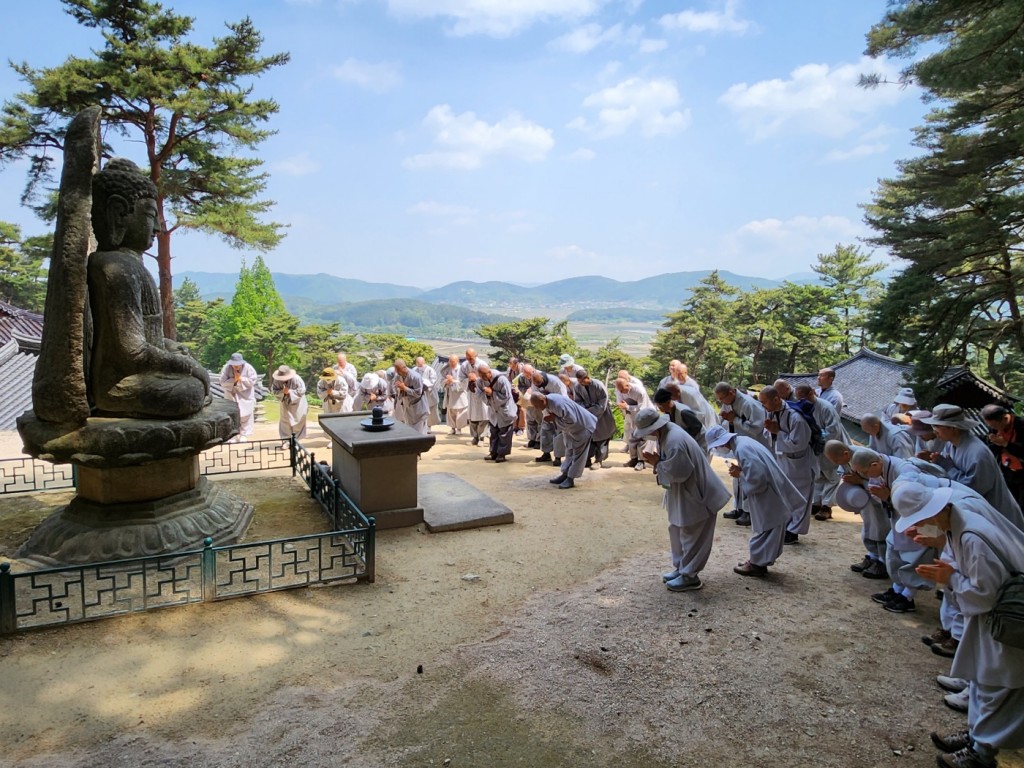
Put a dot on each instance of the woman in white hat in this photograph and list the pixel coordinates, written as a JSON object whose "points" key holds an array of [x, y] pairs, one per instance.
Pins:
{"points": [[238, 379], [983, 550], [290, 390], [968, 460], [373, 393], [898, 411]]}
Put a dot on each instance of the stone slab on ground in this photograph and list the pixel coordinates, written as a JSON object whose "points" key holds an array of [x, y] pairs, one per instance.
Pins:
{"points": [[451, 504]]}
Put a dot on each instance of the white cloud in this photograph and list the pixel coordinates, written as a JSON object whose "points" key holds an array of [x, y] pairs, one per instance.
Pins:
{"points": [[815, 98], [650, 105], [466, 141], [800, 226], [432, 208], [789, 245], [303, 2], [855, 153], [498, 18], [584, 39], [583, 155], [651, 45], [379, 78], [296, 165], [571, 252], [707, 21]]}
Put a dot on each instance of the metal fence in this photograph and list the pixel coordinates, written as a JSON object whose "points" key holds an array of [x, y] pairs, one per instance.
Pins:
{"points": [[72, 594]]}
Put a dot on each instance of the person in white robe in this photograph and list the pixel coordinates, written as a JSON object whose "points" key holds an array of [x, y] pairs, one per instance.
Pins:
{"points": [[740, 414], [495, 389], [791, 441], [593, 396], [887, 438], [373, 393], [826, 479], [348, 372], [290, 390], [693, 496], [567, 365], [479, 419], [576, 427], [238, 380], [768, 495], [456, 396], [332, 391], [985, 550], [552, 445], [679, 374], [631, 397], [429, 376], [411, 405], [968, 460]]}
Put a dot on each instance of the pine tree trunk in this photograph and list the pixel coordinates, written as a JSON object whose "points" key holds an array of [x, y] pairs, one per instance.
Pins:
{"points": [[163, 265]]}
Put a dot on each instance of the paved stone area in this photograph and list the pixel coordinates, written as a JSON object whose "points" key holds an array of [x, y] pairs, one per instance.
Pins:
{"points": [[451, 504]]}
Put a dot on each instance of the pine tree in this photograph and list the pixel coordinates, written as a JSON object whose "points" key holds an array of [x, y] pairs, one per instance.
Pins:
{"points": [[849, 275], [22, 277], [189, 105]]}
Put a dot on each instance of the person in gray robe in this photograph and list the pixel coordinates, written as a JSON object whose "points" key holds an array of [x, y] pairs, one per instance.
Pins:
{"points": [[373, 393], [886, 438], [523, 383], [332, 391], [496, 390], [593, 396], [827, 391], [479, 419], [926, 442], [791, 441], [552, 445], [576, 425], [238, 380], [693, 399], [631, 397], [970, 461], [898, 411], [429, 376], [680, 415], [411, 398], [456, 396], [290, 390], [693, 496], [768, 494], [826, 479], [985, 550], [740, 414], [567, 365]]}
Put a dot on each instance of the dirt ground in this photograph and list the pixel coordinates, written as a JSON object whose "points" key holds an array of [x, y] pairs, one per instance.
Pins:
{"points": [[567, 651]]}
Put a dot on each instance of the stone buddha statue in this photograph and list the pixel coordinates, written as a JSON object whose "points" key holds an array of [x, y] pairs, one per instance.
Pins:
{"points": [[133, 370]]}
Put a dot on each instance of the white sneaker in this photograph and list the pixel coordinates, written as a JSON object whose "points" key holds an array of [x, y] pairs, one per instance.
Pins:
{"points": [[951, 684], [958, 701]]}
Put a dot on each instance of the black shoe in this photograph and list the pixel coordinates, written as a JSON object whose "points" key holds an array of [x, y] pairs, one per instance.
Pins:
{"points": [[875, 571], [631, 463], [900, 604], [744, 520], [938, 636], [567, 483], [733, 514], [862, 565], [557, 461], [824, 513], [533, 444], [954, 742], [560, 479], [884, 597], [499, 459], [791, 538], [476, 441], [490, 457], [963, 758], [543, 457], [589, 464], [946, 649]]}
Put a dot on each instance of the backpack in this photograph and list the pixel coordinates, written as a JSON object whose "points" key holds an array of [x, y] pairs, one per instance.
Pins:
{"points": [[806, 409]]}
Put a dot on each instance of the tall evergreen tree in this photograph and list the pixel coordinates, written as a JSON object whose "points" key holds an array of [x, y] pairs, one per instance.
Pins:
{"points": [[955, 214], [22, 277], [190, 106], [849, 274]]}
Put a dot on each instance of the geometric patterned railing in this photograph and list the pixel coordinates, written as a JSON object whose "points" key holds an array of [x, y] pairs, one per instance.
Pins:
{"points": [[26, 475], [72, 594]]}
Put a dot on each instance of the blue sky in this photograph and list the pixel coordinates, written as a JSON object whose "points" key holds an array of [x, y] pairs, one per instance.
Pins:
{"points": [[425, 141]]}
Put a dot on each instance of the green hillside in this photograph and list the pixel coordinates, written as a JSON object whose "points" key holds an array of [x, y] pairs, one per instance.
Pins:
{"points": [[617, 315], [408, 317], [321, 288]]}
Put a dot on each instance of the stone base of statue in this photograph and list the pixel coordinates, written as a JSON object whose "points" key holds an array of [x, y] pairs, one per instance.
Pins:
{"points": [[139, 490], [87, 532]]}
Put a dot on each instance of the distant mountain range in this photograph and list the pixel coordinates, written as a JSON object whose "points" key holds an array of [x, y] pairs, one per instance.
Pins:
{"points": [[661, 292]]}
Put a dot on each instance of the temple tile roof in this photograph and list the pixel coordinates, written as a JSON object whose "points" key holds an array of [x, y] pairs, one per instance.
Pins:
{"points": [[16, 368], [869, 381], [19, 321]]}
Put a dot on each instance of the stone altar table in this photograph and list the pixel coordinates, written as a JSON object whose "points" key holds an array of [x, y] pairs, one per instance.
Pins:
{"points": [[378, 470]]}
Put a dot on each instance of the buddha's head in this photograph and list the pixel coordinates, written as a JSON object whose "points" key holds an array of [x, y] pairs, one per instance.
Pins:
{"points": [[123, 207]]}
